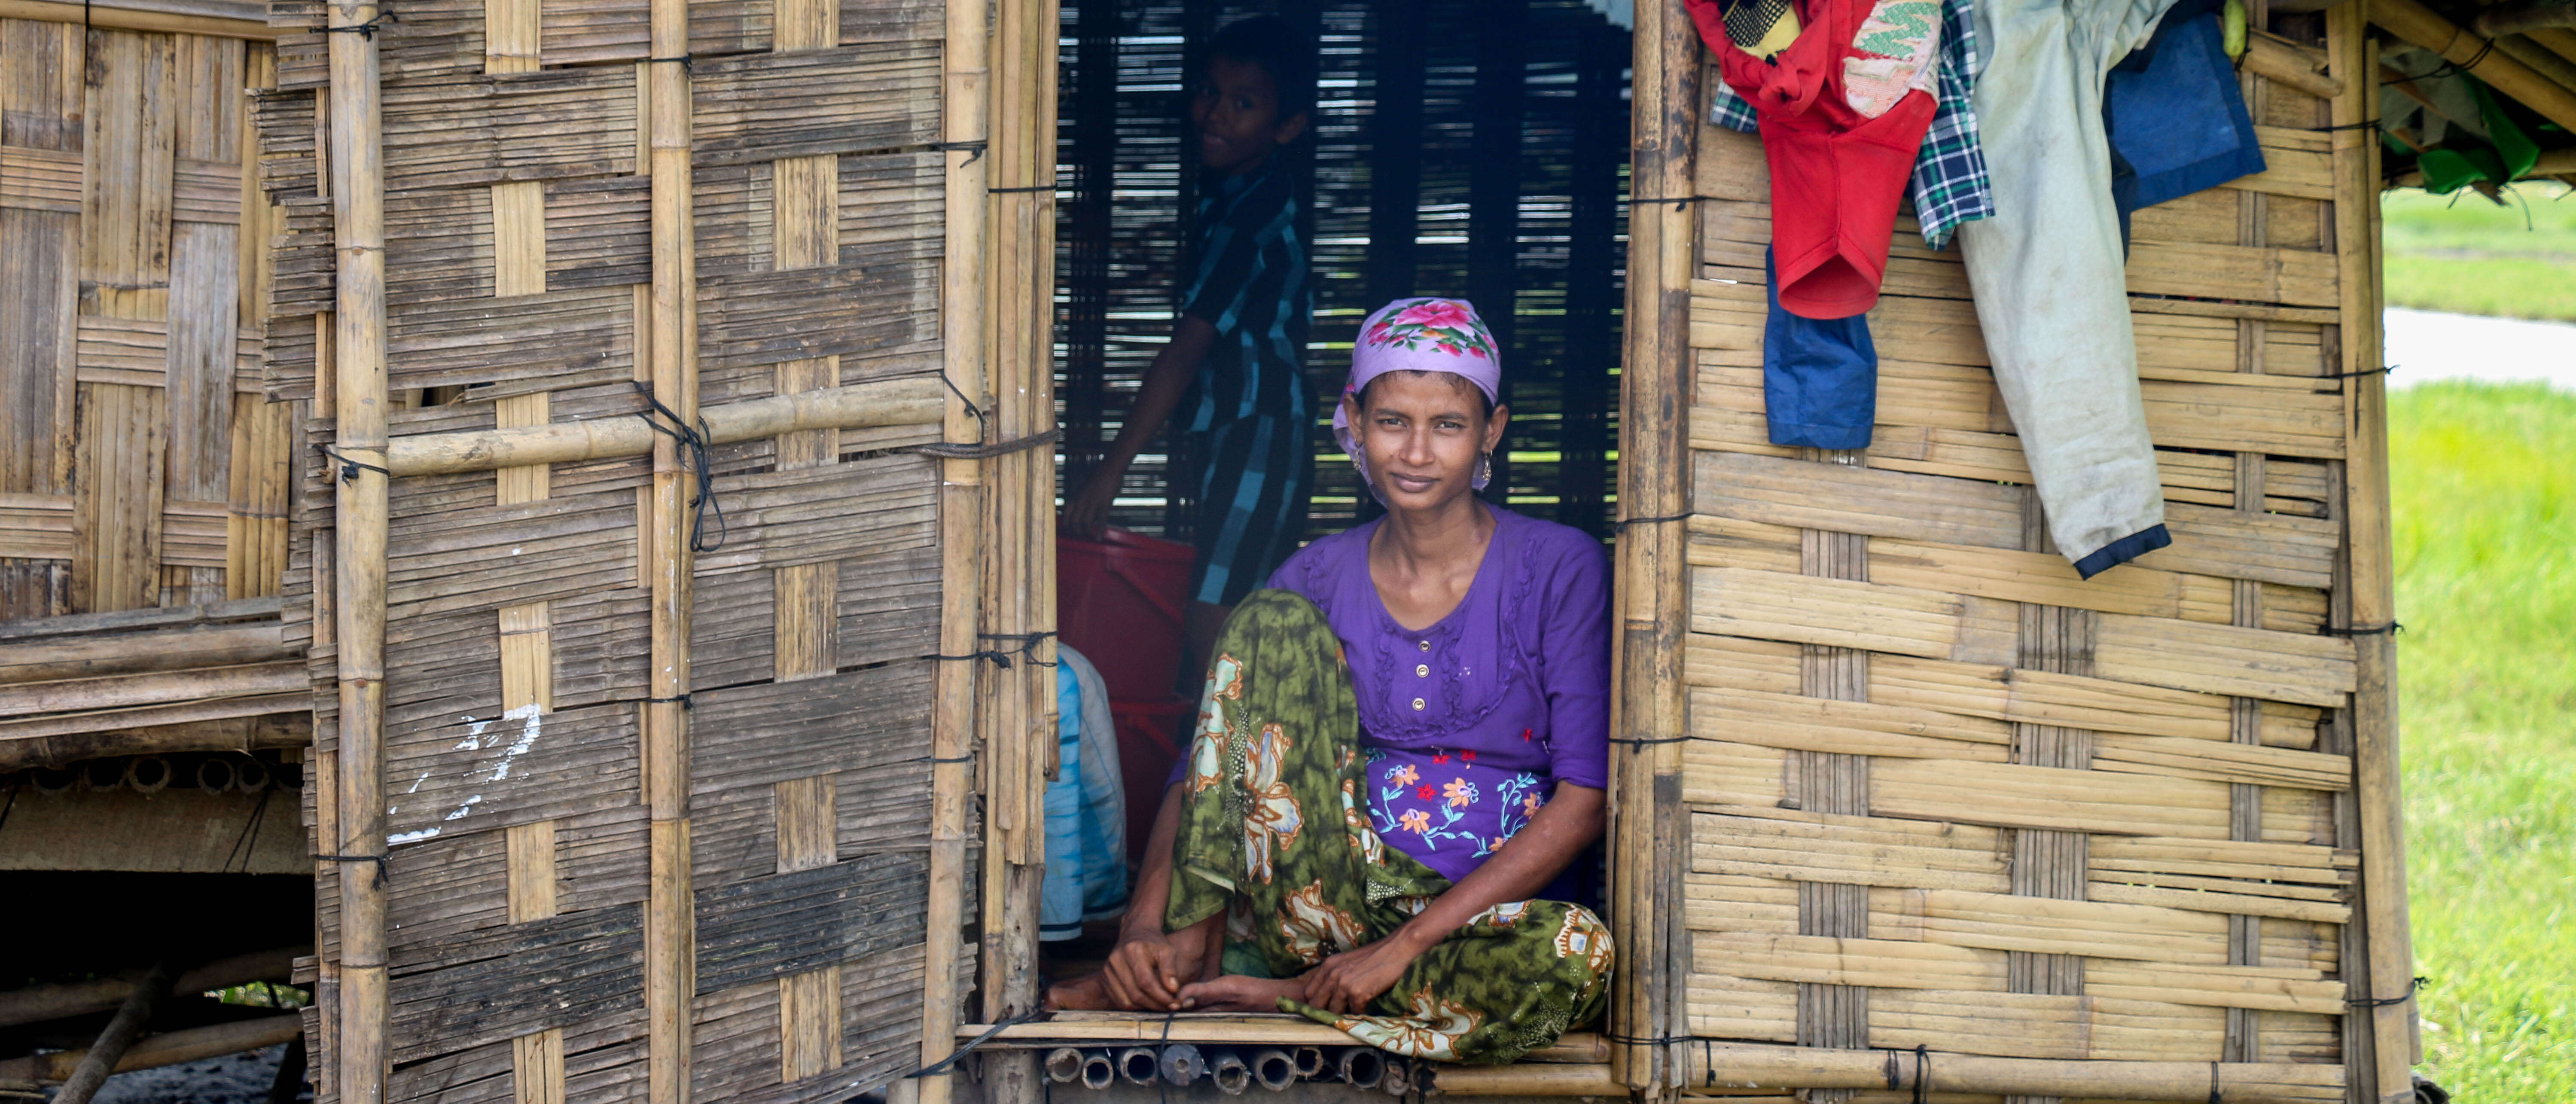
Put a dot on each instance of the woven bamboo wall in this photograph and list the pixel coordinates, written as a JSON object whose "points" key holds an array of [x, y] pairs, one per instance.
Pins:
{"points": [[673, 798], [1939, 792], [139, 466]]}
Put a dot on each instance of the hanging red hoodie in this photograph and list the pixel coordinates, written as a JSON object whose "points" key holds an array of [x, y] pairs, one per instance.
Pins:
{"points": [[1843, 110]]}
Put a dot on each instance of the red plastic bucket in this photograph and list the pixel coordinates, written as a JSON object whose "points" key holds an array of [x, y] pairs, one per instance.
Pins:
{"points": [[1119, 601], [1149, 742]]}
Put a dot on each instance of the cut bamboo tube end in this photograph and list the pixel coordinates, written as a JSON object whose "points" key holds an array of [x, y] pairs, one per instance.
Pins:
{"points": [[1064, 1065]]}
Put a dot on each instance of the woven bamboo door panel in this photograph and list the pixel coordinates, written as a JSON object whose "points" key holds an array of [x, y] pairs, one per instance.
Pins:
{"points": [[134, 470], [563, 923], [1940, 792]]}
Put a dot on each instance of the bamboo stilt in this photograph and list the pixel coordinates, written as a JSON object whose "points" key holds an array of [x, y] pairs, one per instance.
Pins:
{"points": [[1653, 472], [359, 528], [670, 939], [961, 523]]}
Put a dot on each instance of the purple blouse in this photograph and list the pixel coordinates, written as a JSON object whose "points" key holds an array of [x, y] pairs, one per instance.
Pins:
{"points": [[1469, 724]]}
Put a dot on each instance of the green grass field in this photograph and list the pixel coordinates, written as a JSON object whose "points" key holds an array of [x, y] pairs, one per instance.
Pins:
{"points": [[2462, 253], [2485, 511]]}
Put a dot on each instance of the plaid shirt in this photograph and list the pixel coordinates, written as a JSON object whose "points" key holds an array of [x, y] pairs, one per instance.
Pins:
{"points": [[1951, 185]]}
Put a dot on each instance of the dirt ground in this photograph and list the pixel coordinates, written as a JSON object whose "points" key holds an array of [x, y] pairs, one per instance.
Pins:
{"points": [[232, 1079]]}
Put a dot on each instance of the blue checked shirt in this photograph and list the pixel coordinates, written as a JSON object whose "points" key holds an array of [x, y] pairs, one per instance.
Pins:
{"points": [[1951, 185]]}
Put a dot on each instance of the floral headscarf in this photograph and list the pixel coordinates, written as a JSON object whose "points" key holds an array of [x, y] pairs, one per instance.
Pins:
{"points": [[1420, 335]]}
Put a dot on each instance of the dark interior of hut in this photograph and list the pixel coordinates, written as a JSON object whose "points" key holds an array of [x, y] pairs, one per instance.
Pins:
{"points": [[1475, 149]]}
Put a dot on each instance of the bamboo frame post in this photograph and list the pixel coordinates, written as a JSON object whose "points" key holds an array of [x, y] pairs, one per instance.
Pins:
{"points": [[1652, 595], [2368, 570], [1019, 714], [963, 127], [670, 935], [363, 499]]}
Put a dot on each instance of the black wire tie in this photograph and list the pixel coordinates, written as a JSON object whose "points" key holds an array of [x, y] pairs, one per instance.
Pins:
{"points": [[379, 860], [683, 699], [687, 61], [696, 442], [971, 410], [2362, 630], [2386, 1002], [349, 469], [1622, 524], [1024, 188], [1922, 1071], [1645, 742]]}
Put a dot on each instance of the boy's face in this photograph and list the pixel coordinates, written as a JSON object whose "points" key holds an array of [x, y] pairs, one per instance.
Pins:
{"points": [[1236, 113]]}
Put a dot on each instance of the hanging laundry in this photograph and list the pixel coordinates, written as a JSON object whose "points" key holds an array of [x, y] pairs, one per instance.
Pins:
{"points": [[1843, 107], [2175, 115], [1950, 184], [2047, 273], [1819, 376]]}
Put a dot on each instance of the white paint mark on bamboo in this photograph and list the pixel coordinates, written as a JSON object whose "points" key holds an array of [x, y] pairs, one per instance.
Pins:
{"points": [[410, 837]]}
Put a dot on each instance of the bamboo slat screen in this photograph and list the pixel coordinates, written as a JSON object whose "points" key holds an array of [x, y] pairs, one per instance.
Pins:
{"points": [[139, 465], [1432, 171], [521, 255], [1939, 792]]}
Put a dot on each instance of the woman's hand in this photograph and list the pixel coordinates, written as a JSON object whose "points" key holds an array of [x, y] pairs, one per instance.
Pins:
{"points": [[1348, 981], [1237, 993], [1147, 969], [1086, 514]]}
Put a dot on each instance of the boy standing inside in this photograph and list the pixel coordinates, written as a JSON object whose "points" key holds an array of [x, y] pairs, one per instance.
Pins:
{"points": [[1240, 343]]}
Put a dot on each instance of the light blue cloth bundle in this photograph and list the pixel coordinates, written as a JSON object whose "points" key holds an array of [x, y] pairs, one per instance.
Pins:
{"points": [[1086, 807]]}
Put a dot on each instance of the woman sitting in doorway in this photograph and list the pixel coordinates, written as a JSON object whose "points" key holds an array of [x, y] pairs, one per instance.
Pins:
{"points": [[1400, 753]]}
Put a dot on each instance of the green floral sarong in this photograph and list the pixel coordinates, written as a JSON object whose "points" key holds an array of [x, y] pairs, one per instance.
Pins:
{"points": [[1275, 757]]}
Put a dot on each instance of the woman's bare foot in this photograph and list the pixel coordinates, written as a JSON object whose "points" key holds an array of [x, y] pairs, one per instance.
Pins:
{"points": [[1237, 993]]}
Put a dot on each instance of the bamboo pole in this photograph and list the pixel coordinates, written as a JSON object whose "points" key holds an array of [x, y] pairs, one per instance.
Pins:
{"points": [[899, 402], [166, 1049], [38, 1003], [1019, 708], [1574, 1048], [963, 126], [2298, 66], [101, 1058], [2418, 24], [1653, 472], [1754, 1065], [2369, 577], [670, 927], [135, 653], [1524, 1080], [359, 524], [114, 17]]}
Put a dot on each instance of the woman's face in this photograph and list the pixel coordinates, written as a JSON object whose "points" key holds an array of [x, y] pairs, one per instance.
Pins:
{"points": [[1423, 434]]}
